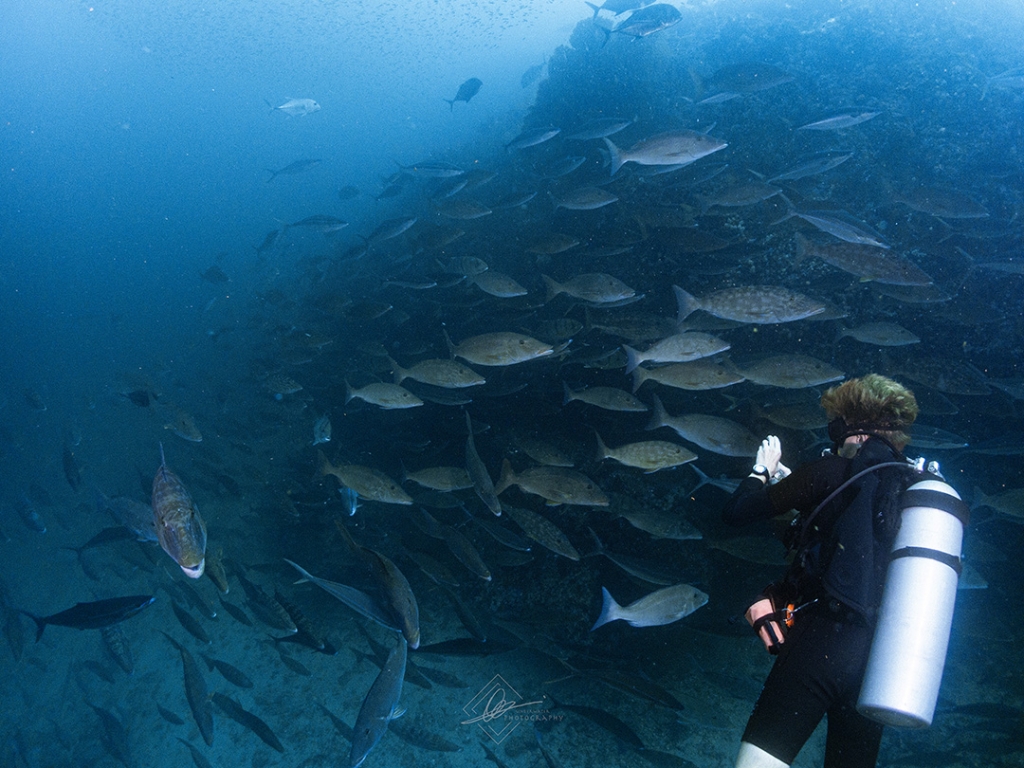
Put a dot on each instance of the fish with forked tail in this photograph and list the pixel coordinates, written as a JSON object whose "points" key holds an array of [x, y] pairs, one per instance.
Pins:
{"points": [[179, 528], [101, 613]]}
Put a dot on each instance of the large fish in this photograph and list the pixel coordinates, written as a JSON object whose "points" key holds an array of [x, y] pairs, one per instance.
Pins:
{"points": [[663, 606], [673, 148], [95, 615], [380, 706], [179, 527], [466, 91], [761, 304]]}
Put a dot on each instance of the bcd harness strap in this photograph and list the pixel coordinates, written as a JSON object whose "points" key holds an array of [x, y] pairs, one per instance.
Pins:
{"points": [[953, 561]]}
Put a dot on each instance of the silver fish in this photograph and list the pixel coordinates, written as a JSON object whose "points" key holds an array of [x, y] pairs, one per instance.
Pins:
{"points": [[296, 107], [671, 148], [663, 606], [842, 120]]}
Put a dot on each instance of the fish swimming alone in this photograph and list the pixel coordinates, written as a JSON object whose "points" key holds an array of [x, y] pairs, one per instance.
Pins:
{"points": [[466, 91], [179, 527], [94, 615], [296, 107]]}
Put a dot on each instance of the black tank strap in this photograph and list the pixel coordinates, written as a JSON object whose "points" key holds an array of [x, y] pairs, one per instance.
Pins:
{"points": [[953, 561], [923, 497]]}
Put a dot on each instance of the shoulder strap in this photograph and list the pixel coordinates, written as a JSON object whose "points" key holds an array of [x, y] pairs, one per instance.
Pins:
{"points": [[846, 484]]}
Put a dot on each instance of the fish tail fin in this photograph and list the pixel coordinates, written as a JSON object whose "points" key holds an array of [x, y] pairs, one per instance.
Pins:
{"points": [[632, 358], [602, 449], [639, 377], [163, 460], [272, 107], [702, 479], [451, 347], [596, 8], [616, 155], [40, 623], [273, 174], [349, 392], [553, 288], [451, 104], [659, 416], [609, 609], [400, 373], [790, 211], [506, 478], [598, 544], [323, 464], [802, 249], [567, 394], [978, 499], [686, 302]]}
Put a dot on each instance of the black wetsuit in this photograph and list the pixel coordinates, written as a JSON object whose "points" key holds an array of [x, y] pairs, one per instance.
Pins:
{"points": [[840, 564]]}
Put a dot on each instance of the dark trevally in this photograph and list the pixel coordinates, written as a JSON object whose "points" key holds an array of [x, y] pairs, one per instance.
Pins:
{"points": [[747, 77], [466, 91], [380, 706], [812, 166], [943, 203], [72, 470], [647, 21], [531, 137], [605, 720], [29, 516], [391, 228], [598, 128], [100, 613], [478, 474], [196, 692], [299, 166], [433, 169], [179, 527], [242, 716], [618, 7]]}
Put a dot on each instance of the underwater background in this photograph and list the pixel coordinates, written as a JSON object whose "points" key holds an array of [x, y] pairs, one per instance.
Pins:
{"points": [[223, 224]]}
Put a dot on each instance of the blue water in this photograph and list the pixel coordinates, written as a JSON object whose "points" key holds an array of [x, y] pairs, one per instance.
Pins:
{"points": [[135, 142]]}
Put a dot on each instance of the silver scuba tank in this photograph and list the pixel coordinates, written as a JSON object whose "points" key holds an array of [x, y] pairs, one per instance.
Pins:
{"points": [[908, 653]]}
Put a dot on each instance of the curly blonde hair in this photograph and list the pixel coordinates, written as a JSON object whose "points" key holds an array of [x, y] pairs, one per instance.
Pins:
{"points": [[875, 403]]}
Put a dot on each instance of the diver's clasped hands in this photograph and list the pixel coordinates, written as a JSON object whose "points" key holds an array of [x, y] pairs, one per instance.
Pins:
{"points": [[769, 454]]}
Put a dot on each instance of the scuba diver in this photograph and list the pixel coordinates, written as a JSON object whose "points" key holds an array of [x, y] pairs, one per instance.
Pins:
{"points": [[820, 618]]}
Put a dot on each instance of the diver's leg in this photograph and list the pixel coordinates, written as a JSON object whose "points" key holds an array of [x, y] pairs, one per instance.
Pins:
{"points": [[795, 696], [755, 757], [853, 740]]}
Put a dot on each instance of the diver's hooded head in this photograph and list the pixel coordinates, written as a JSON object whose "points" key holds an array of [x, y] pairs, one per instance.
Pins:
{"points": [[871, 405]]}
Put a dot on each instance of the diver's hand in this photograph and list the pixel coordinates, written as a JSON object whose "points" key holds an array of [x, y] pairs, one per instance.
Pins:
{"points": [[770, 454]]}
